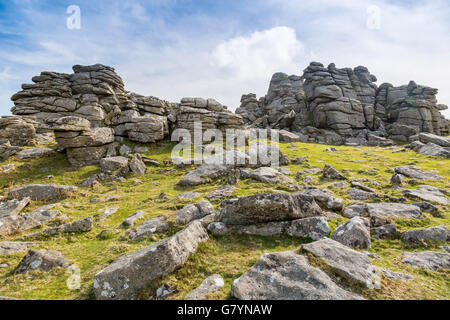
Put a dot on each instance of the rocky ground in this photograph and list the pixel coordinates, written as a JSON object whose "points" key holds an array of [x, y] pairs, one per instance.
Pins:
{"points": [[343, 222]]}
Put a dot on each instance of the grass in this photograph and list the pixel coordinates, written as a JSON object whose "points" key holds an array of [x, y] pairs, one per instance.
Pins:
{"points": [[230, 255]]}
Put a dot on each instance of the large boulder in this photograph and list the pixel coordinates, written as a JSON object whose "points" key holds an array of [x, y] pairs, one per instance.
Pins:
{"points": [[263, 208], [124, 277], [287, 276]]}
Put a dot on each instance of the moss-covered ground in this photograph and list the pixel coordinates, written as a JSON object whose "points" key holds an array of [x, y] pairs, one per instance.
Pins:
{"points": [[229, 255]]}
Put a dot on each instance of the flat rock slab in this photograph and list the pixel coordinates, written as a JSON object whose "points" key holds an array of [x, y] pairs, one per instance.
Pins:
{"points": [[308, 228], [222, 192], [38, 217], [361, 195], [10, 247], [287, 276], [35, 153], [346, 262], [42, 192], [42, 260], [396, 210], [124, 277], [262, 208], [193, 212], [267, 175], [430, 260], [355, 233], [210, 285], [439, 233], [188, 195], [325, 199], [416, 173], [147, 228], [429, 193], [204, 174], [13, 207], [83, 225]]}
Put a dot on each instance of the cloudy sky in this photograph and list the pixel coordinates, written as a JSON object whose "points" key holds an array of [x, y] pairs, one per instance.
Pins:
{"points": [[222, 48]]}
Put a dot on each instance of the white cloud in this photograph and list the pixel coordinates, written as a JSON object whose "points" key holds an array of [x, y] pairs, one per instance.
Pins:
{"points": [[260, 54]]}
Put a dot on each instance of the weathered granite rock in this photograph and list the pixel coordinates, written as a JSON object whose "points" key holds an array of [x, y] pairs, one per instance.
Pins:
{"points": [[427, 260], [218, 228], [147, 228], [429, 193], [210, 285], [437, 140], [109, 165], [308, 228], [287, 276], [267, 175], [18, 223], [10, 247], [263, 208], [331, 173], [355, 233], [18, 131], [42, 192], [188, 195], [13, 207], [348, 263], [194, 212], [440, 233], [204, 174], [416, 173], [83, 225], [388, 231], [35, 153], [361, 195], [221, 192], [131, 219], [42, 260], [6, 150], [137, 166], [396, 276], [325, 199], [397, 210], [431, 149], [123, 278]]}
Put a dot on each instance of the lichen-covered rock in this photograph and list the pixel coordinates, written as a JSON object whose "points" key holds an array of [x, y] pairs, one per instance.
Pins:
{"points": [[330, 172], [137, 166], [42, 260], [427, 260], [35, 153], [355, 233], [210, 285], [429, 193], [439, 233], [10, 247], [42, 192], [348, 263], [193, 212], [18, 131], [123, 278], [147, 228], [325, 198], [263, 208], [287, 276], [416, 173], [397, 210], [112, 164], [83, 225]]}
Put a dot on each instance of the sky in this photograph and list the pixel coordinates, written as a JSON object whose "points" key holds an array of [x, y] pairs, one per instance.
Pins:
{"points": [[220, 48]]}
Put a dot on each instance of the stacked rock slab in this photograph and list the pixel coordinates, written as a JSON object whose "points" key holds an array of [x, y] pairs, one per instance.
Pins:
{"points": [[210, 113], [338, 106], [84, 145]]}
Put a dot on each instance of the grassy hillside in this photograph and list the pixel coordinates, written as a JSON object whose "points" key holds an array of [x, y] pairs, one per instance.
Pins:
{"points": [[230, 255]]}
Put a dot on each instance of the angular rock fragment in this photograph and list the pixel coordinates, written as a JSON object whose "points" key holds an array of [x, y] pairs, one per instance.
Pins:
{"points": [[42, 260], [124, 277]]}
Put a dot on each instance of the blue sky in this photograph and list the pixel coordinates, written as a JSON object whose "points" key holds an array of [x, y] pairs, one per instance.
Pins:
{"points": [[223, 49]]}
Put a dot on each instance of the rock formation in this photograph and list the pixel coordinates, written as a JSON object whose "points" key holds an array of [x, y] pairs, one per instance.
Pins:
{"points": [[338, 106]]}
